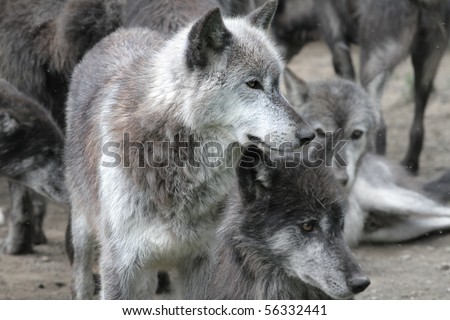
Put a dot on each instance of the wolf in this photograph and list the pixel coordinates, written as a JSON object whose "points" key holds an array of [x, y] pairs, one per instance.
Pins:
{"points": [[31, 147], [42, 41], [385, 203], [387, 32], [276, 245], [215, 80], [297, 23], [419, 29]]}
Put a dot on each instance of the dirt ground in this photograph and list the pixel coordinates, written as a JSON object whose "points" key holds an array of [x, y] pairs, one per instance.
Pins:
{"points": [[415, 270]]}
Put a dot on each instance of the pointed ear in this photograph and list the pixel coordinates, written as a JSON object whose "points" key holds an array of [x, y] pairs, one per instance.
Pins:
{"points": [[208, 36], [262, 17], [296, 89], [254, 174], [8, 124]]}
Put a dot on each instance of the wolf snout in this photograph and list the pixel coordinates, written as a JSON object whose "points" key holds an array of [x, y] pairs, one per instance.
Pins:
{"points": [[305, 135], [358, 283]]}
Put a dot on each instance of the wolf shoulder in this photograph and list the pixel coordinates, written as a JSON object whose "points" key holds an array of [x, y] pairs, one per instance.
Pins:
{"points": [[120, 54]]}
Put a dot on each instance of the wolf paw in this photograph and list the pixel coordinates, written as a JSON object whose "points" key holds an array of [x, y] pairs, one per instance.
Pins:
{"points": [[16, 247], [39, 238]]}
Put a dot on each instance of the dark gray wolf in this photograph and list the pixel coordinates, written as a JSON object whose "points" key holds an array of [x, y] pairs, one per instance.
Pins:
{"points": [[31, 147], [276, 244], [41, 41], [385, 203], [215, 80], [387, 31]]}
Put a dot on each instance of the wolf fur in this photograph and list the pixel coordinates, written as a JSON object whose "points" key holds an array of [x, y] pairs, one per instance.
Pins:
{"points": [[387, 32], [263, 251], [31, 147], [440, 188], [385, 203], [215, 80], [43, 40], [165, 16]]}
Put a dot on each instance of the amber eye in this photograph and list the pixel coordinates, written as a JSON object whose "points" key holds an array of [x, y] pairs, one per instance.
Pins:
{"points": [[357, 134], [254, 84], [309, 226]]}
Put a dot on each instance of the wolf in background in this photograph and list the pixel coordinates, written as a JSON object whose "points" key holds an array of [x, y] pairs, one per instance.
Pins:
{"points": [[385, 203], [41, 41], [386, 31], [31, 147]]}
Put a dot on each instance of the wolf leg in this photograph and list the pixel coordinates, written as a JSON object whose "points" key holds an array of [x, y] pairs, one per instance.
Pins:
{"points": [[406, 229], [427, 51], [20, 231], [82, 254], [333, 31], [385, 41], [39, 209], [399, 201], [123, 278], [194, 276]]}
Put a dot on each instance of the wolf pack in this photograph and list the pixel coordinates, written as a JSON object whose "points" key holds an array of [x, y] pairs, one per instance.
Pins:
{"points": [[189, 156]]}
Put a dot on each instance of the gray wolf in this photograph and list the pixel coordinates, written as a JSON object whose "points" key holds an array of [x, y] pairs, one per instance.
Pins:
{"points": [[31, 147], [385, 203], [387, 32], [215, 80], [42, 41], [276, 245], [166, 16]]}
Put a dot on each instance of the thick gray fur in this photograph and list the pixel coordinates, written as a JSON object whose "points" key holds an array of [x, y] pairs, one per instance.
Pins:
{"points": [[41, 41], [214, 80], [385, 203], [262, 250]]}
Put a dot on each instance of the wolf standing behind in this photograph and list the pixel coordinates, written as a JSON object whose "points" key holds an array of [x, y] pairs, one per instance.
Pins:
{"points": [[216, 80], [404, 212]]}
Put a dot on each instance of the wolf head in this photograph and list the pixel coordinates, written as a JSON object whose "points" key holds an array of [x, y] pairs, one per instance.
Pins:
{"points": [[235, 70], [331, 105], [294, 217], [31, 144]]}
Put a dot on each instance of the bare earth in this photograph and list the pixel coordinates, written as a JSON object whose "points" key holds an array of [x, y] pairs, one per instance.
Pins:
{"points": [[415, 270]]}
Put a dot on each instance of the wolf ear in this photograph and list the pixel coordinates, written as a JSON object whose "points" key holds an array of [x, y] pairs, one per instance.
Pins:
{"points": [[254, 174], [207, 37], [296, 89], [8, 124], [263, 16]]}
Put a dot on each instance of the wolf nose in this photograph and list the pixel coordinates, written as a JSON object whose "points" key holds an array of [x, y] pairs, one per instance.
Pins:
{"points": [[305, 136], [359, 284]]}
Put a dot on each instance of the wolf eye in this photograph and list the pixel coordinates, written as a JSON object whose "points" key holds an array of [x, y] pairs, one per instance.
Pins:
{"points": [[320, 133], [254, 84], [357, 134], [309, 226]]}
